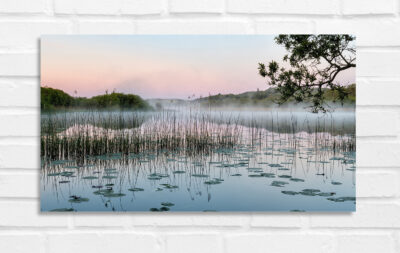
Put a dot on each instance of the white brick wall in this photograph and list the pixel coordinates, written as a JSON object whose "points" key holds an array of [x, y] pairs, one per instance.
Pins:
{"points": [[375, 227]]}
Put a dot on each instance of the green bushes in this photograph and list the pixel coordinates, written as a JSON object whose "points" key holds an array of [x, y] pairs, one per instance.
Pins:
{"points": [[53, 98], [56, 99]]}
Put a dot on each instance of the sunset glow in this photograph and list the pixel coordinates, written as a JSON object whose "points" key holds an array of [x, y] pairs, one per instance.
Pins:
{"points": [[159, 66]]}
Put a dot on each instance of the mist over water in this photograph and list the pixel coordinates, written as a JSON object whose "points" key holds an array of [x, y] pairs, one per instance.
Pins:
{"points": [[192, 158]]}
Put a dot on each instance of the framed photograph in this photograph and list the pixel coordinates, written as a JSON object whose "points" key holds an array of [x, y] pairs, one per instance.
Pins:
{"points": [[205, 123]]}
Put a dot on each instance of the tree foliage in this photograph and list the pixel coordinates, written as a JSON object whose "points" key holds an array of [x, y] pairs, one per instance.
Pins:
{"points": [[54, 98], [51, 98], [314, 62]]}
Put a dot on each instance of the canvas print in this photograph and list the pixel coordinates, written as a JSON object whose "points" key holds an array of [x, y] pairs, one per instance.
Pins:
{"points": [[205, 123]]}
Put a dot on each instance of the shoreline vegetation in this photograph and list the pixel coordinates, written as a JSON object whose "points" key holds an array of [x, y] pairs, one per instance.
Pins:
{"points": [[77, 127], [56, 99], [53, 99]]}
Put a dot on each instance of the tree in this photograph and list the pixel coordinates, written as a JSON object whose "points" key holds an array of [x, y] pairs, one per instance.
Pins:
{"points": [[314, 64]]}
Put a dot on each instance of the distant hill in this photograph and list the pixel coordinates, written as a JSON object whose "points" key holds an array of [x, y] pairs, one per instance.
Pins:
{"points": [[51, 99], [164, 103], [267, 98]]}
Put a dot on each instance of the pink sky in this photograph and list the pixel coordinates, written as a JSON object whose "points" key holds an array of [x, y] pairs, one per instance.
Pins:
{"points": [[159, 66]]}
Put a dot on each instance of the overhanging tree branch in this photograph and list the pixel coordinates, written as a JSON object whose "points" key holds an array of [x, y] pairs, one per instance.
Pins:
{"points": [[308, 75]]}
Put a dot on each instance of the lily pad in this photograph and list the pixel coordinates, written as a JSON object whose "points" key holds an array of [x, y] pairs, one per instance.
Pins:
{"points": [[67, 173], [167, 204], [290, 192], [78, 200], [212, 182], [200, 175], [254, 169], [326, 194], [101, 192], [109, 177], [53, 174], [310, 192], [278, 183], [276, 165], [90, 177], [158, 175], [269, 175], [154, 178], [255, 175], [136, 189], [342, 199], [113, 195], [168, 186], [296, 179]]}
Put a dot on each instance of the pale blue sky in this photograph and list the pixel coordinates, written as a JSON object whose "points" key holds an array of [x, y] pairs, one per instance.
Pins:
{"points": [[158, 66]]}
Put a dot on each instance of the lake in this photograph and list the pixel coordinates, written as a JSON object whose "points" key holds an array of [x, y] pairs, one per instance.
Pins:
{"points": [[198, 160]]}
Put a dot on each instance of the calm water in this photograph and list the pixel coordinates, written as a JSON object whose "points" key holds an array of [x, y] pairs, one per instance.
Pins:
{"points": [[271, 167]]}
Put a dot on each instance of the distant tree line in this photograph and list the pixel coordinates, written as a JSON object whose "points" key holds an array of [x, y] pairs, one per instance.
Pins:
{"points": [[56, 99], [271, 96]]}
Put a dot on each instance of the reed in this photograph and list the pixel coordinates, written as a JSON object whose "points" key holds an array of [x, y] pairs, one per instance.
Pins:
{"points": [[78, 135]]}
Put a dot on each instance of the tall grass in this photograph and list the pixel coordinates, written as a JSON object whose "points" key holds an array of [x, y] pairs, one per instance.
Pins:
{"points": [[66, 135]]}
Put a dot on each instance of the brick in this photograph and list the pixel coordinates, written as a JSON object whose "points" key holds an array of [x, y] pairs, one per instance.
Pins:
{"points": [[108, 7], [365, 7], [27, 214], [10, 156], [101, 220], [378, 63], [377, 184], [187, 27], [87, 7], [19, 64], [193, 243], [276, 220], [378, 154], [11, 243], [369, 32], [22, 6], [25, 34], [283, 27], [142, 7], [20, 125], [19, 185], [371, 215], [188, 219], [199, 6], [318, 7], [279, 242], [378, 92], [365, 243], [370, 123], [102, 242], [28, 93], [105, 27]]}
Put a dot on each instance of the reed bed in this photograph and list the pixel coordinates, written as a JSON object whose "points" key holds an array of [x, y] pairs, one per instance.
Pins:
{"points": [[78, 135]]}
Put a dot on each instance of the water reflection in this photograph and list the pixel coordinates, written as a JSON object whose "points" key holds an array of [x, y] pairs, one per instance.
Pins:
{"points": [[235, 162]]}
